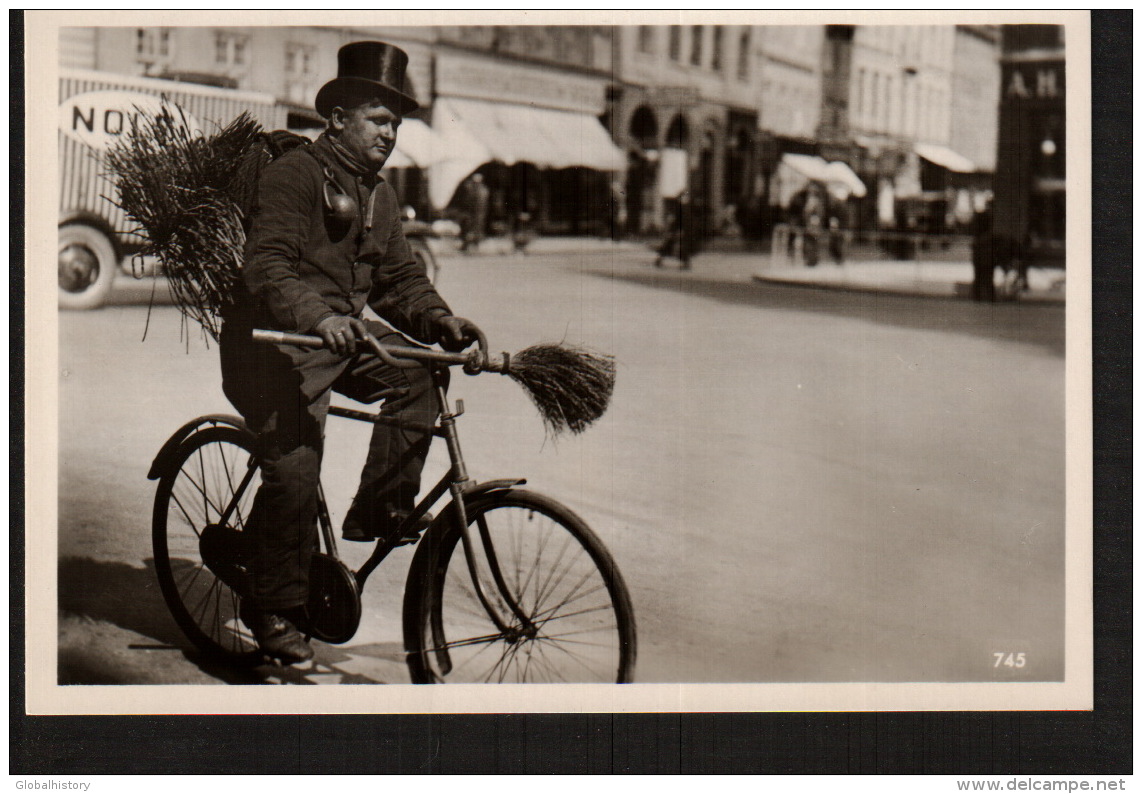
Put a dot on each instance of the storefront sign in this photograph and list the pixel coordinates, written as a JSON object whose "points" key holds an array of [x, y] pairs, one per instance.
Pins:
{"points": [[1042, 81], [479, 78], [680, 95]]}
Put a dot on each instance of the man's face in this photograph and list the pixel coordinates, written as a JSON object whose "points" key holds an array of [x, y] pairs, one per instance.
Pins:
{"points": [[369, 131]]}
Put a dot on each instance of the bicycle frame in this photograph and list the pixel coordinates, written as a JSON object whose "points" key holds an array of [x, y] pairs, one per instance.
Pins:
{"points": [[455, 481]]}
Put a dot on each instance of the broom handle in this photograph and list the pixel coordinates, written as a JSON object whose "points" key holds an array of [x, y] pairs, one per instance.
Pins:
{"points": [[477, 359]]}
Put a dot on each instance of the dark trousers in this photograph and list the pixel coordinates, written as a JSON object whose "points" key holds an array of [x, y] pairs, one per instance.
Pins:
{"points": [[282, 392]]}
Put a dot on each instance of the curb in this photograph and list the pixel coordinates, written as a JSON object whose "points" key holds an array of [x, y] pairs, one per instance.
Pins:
{"points": [[934, 292]]}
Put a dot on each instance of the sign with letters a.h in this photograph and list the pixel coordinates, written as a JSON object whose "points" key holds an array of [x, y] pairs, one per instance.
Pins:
{"points": [[1034, 81], [99, 118]]}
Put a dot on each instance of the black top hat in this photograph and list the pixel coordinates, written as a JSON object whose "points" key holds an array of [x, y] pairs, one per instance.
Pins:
{"points": [[367, 69]]}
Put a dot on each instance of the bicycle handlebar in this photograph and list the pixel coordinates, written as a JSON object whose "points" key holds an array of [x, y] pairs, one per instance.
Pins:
{"points": [[474, 361]]}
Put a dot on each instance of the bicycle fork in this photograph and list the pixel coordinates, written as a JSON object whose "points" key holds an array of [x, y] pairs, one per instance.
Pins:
{"points": [[459, 484]]}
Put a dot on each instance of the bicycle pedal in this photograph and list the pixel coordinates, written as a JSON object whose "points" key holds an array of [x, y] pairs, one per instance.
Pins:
{"points": [[411, 537]]}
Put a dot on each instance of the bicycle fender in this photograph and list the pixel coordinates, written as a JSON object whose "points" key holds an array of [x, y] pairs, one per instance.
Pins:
{"points": [[493, 485], [170, 447]]}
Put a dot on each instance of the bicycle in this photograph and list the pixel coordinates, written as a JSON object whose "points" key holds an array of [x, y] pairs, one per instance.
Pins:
{"points": [[506, 585]]}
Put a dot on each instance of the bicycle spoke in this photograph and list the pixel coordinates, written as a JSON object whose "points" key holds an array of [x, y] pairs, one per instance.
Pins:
{"points": [[189, 521], [194, 578], [198, 610], [563, 637], [207, 504], [233, 477], [574, 657], [553, 585], [551, 612], [484, 640], [552, 670], [202, 469], [460, 578], [471, 659]]}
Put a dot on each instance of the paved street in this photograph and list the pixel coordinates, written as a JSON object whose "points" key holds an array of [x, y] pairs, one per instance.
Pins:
{"points": [[798, 485]]}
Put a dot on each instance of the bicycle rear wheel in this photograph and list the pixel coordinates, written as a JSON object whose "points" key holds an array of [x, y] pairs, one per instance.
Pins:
{"points": [[213, 468], [572, 619]]}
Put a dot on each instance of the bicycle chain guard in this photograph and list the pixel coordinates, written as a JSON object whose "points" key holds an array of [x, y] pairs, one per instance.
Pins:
{"points": [[225, 551], [334, 607]]}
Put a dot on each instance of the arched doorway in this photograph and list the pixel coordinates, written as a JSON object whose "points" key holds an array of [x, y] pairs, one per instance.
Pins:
{"points": [[678, 133], [704, 179], [641, 173]]}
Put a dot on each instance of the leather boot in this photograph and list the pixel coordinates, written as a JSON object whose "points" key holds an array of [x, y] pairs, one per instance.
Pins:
{"points": [[363, 524], [277, 637]]}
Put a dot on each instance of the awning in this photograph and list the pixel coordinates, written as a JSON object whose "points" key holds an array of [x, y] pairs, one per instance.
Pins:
{"points": [[417, 145], [473, 132], [945, 157], [798, 169], [520, 133], [808, 166], [845, 179]]}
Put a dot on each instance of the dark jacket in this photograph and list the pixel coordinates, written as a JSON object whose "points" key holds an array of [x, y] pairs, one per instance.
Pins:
{"points": [[303, 265]]}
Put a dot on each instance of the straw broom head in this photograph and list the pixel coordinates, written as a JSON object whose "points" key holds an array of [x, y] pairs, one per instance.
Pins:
{"points": [[571, 386], [188, 193]]}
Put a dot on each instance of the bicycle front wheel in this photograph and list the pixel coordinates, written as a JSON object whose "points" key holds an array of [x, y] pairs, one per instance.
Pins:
{"points": [[554, 609], [215, 469]]}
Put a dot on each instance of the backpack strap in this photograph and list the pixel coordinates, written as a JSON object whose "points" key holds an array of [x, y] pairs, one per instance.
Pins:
{"points": [[279, 142]]}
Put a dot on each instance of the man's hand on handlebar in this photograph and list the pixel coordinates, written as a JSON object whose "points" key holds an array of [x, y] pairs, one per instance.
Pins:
{"points": [[341, 333], [456, 333]]}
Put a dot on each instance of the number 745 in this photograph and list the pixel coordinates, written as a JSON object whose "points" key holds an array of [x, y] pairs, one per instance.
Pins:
{"points": [[1010, 659]]}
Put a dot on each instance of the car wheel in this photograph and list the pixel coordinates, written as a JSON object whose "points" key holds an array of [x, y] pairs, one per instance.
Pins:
{"points": [[87, 265]]}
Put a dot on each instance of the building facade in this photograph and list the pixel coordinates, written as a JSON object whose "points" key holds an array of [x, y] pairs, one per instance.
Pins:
{"points": [[709, 109], [1030, 177], [921, 116], [975, 94], [691, 89]]}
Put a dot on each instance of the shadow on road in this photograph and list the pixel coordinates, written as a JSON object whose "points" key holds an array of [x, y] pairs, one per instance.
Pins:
{"points": [[1042, 326], [129, 598]]}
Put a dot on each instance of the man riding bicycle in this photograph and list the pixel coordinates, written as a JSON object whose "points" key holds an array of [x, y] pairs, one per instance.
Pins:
{"points": [[324, 241]]}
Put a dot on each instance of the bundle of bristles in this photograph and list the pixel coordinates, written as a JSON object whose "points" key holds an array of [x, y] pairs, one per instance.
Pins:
{"points": [[190, 193]]}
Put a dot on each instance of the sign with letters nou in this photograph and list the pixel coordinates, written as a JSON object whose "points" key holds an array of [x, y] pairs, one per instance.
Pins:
{"points": [[98, 118]]}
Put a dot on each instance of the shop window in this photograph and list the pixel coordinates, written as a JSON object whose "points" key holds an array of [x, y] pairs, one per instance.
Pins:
{"points": [[645, 38], [675, 43], [299, 60], [743, 55], [152, 45], [229, 49], [874, 100]]}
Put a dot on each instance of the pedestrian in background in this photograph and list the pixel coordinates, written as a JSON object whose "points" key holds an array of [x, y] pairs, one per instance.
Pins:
{"points": [[813, 222], [983, 259], [475, 207], [836, 240], [682, 238], [618, 209]]}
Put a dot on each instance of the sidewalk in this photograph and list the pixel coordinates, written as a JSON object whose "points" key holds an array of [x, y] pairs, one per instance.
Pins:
{"points": [[923, 278], [500, 246]]}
